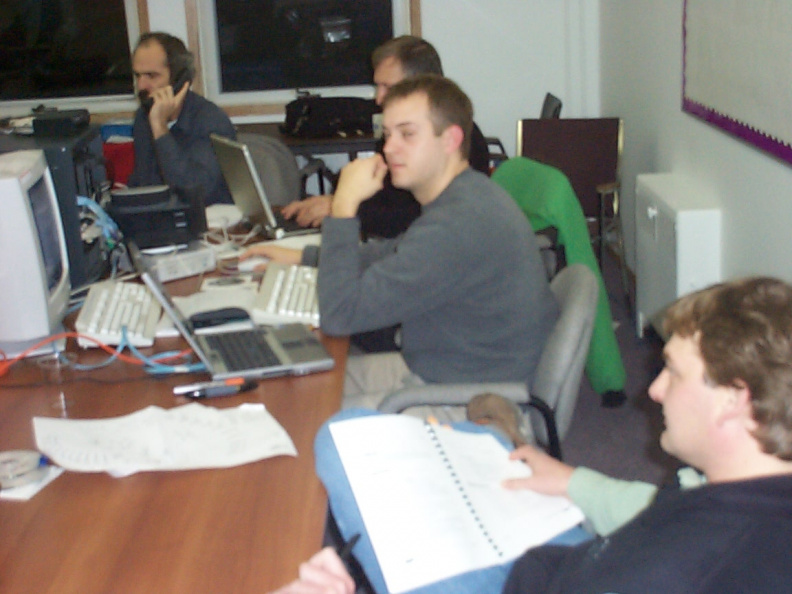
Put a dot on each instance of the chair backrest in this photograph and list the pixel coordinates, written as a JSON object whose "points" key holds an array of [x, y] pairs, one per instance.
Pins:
{"points": [[560, 368], [276, 165], [587, 150], [551, 107]]}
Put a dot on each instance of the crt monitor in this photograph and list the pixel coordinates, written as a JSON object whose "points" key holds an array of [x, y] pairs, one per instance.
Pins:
{"points": [[34, 266]]}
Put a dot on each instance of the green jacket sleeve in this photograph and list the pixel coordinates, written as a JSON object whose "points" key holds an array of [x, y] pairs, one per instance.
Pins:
{"points": [[608, 503], [544, 194]]}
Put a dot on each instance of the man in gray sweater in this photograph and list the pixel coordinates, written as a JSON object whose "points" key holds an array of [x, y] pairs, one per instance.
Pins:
{"points": [[465, 281]]}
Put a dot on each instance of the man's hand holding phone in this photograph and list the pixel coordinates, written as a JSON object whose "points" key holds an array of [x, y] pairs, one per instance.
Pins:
{"points": [[166, 103]]}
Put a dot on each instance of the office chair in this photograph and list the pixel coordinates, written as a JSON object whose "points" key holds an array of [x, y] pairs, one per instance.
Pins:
{"points": [[497, 152], [588, 151], [556, 385], [283, 179], [551, 107]]}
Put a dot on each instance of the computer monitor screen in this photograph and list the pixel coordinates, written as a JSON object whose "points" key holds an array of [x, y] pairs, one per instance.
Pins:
{"points": [[34, 266], [48, 232]]}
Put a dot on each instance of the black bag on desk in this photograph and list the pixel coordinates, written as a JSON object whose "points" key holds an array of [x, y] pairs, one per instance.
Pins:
{"points": [[312, 116]]}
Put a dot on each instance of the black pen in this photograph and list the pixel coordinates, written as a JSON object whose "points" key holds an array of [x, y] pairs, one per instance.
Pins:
{"points": [[214, 389], [345, 552]]}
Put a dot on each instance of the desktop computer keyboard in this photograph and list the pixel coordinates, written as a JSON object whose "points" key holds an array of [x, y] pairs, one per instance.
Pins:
{"points": [[287, 294], [112, 305]]}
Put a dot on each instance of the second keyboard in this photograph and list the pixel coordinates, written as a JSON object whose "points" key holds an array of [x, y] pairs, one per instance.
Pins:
{"points": [[287, 294]]}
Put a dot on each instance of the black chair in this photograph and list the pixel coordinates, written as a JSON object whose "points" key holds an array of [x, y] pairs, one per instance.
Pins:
{"points": [[551, 108]]}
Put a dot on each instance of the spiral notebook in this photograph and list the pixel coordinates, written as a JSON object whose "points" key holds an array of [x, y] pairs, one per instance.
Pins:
{"points": [[432, 501]]}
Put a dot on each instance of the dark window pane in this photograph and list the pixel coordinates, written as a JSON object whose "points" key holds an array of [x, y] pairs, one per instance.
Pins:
{"points": [[63, 48], [285, 44]]}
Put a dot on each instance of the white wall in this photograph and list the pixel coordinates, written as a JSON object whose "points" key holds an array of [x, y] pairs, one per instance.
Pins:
{"points": [[641, 78], [506, 54]]}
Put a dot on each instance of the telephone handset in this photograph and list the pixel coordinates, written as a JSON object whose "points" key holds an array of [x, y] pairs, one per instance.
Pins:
{"points": [[183, 77]]}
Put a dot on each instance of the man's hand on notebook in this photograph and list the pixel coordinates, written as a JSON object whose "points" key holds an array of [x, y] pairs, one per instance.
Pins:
{"points": [[309, 212], [323, 573], [275, 253], [548, 475]]}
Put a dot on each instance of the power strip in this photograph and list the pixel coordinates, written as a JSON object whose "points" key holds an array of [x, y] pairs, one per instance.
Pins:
{"points": [[190, 261]]}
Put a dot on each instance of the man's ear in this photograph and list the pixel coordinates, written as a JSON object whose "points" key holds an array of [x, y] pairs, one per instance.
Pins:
{"points": [[453, 136], [736, 403]]}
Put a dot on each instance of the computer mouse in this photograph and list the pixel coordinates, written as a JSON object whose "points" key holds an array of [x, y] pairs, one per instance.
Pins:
{"points": [[250, 264], [216, 317]]}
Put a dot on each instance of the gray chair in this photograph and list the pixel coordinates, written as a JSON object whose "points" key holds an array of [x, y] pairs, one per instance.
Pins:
{"points": [[283, 179], [551, 400]]}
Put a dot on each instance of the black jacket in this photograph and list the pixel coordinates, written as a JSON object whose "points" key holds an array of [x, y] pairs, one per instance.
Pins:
{"points": [[389, 212], [720, 538]]}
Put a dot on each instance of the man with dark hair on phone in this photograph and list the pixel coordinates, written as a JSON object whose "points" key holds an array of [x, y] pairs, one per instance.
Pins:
{"points": [[172, 126], [391, 210], [465, 281]]}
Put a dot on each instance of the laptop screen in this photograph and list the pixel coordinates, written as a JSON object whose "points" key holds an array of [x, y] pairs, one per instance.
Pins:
{"points": [[242, 178]]}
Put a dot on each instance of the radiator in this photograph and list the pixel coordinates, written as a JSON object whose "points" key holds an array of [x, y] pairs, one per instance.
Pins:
{"points": [[678, 243]]}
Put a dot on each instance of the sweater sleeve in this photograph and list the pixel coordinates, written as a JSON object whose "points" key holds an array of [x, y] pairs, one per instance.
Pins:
{"points": [[608, 503]]}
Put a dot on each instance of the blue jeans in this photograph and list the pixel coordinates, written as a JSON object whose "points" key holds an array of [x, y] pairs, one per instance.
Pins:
{"points": [[350, 522]]}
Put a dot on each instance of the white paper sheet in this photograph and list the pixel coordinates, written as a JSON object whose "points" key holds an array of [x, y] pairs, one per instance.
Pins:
{"points": [[185, 437], [429, 523]]}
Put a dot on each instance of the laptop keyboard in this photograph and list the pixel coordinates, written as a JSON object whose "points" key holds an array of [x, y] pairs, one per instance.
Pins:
{"points": [[112, 305], [246, 349], [287, 294]]}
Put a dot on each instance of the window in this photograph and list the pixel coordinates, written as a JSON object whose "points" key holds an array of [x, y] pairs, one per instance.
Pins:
{"points": [[66, 48], [275, 44], [257, 52]]}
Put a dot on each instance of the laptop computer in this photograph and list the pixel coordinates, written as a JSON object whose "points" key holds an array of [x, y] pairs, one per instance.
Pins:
{"points": [[251, 352], [247, 191]]}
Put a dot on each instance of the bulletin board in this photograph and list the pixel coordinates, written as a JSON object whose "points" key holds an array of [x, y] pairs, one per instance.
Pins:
{"points": [[737, 72]]}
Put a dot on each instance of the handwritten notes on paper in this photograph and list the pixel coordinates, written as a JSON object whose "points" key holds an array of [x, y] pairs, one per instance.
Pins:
{"points": [[181, 438]]}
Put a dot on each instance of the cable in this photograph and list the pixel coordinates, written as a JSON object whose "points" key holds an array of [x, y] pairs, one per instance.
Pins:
{"points": [[137, 359], [108, 226], [153, 366]]}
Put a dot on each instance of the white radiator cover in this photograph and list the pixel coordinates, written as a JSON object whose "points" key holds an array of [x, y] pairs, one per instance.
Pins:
{"points": [[678, 243]]}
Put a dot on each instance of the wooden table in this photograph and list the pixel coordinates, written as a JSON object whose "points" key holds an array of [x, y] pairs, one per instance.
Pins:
{"points": [[242, 529]]}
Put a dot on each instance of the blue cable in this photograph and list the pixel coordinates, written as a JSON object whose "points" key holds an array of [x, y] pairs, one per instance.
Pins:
{"points": [[156, 368], [151, 364], [119, 349], [109, 227]]}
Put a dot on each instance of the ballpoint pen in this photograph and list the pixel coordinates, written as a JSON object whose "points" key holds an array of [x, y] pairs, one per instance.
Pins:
{"points": [[345, 552], [214, 389]]}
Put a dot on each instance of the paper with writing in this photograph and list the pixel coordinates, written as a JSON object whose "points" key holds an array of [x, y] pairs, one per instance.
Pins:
{"points": [[185, 437]]}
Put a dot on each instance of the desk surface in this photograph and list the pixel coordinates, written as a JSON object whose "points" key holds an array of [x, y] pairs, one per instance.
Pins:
{"points": [[242, 529]]}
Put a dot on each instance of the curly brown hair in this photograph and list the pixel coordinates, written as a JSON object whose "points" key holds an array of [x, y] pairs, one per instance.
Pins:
{"points": [[744, 332]]}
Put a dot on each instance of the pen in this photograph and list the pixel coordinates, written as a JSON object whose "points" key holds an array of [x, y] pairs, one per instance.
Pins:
{"points": [[214, 389], [346, 551]]}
